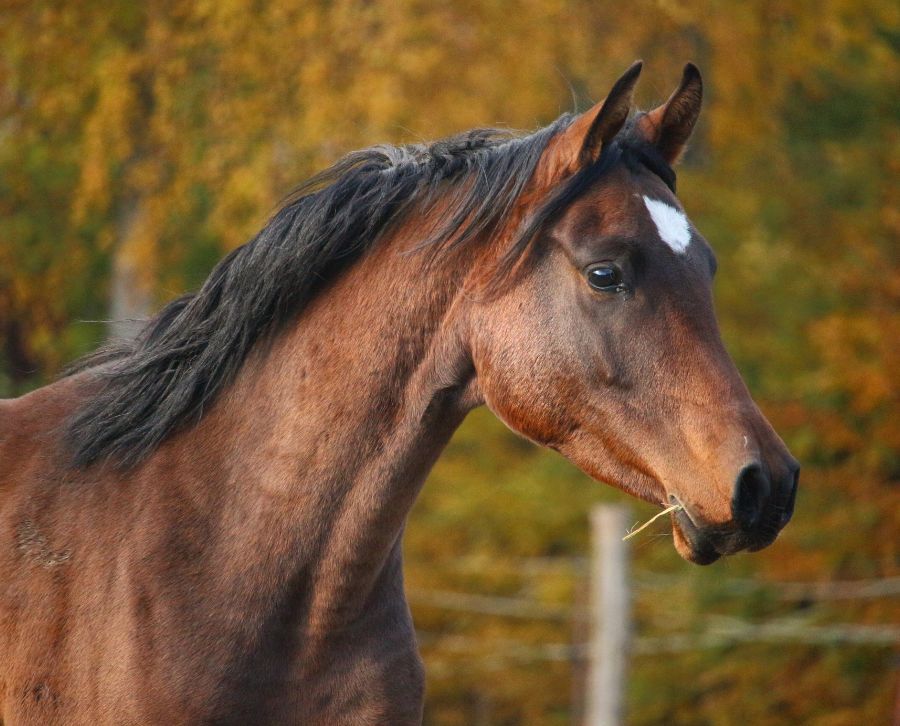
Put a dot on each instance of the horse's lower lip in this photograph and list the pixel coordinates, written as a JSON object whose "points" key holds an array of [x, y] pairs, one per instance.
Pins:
{"points": [[702, 550]]}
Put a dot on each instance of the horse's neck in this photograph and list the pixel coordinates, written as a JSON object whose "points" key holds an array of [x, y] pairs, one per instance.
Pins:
{"points": [[331, 432]]}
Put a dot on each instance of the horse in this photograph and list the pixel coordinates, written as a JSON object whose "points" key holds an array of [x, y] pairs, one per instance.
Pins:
{"points": [[204, 524]]}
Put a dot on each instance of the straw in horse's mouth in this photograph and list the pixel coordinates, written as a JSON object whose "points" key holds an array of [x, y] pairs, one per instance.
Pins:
{"points": [[671, 508]]}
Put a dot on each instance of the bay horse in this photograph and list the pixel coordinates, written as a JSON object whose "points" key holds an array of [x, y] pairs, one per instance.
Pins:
{"points": [[204, 525]]}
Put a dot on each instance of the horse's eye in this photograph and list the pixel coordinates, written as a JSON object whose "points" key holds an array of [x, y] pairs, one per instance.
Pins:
{"points": [[605, 278]]}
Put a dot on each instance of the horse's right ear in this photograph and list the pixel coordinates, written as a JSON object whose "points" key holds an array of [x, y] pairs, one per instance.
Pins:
{"points": [[581, 143], [668, 127]]}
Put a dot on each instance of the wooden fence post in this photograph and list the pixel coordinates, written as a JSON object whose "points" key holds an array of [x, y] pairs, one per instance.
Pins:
{"points": [[610, 603]]}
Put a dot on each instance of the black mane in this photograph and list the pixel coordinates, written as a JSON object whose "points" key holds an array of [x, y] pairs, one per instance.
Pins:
{"points": [[191, 350]]}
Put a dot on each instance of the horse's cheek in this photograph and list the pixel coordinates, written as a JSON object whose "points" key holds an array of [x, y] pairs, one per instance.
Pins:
{"points": [[531, 402]]}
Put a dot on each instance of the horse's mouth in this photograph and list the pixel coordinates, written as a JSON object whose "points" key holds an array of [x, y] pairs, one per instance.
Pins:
{"points": [[690, 541], [703, 545]]}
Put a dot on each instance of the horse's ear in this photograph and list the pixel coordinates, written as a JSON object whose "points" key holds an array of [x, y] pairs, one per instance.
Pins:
{"points": [[669, 126], [584, 139], [607, 117]]}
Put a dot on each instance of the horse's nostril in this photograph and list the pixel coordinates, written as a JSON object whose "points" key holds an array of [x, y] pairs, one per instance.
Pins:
{"points": [[793, 479], [750, 493]]}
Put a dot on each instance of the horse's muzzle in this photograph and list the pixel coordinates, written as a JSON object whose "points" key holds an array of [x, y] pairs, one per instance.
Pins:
{"points": [[762, 504]]}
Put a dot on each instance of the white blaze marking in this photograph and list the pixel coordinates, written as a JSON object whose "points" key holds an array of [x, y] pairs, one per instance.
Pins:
{"points": [[671, 224]]}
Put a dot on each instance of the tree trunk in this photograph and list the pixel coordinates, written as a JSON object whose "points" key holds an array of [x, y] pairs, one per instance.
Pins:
{"points": [[130, 288]]}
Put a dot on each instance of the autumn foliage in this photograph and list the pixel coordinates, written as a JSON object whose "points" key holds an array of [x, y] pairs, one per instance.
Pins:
{"points": [[141, 141]]}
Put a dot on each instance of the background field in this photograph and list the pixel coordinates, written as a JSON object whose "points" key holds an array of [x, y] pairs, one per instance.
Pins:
{"points": [[141, 141]]}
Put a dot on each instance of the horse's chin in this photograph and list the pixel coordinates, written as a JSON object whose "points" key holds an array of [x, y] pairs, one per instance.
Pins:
{"points": [[690, 543]]}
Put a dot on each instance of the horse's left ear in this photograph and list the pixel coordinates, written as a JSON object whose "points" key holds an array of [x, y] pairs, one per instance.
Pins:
{"points": [[669, 126], [581, 143]]}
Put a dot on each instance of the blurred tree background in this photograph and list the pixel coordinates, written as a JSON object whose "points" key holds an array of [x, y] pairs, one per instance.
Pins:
{"points": [[141, 141]]}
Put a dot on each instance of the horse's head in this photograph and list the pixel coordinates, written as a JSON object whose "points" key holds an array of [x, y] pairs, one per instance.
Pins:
{"points": [[604, 343]]}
